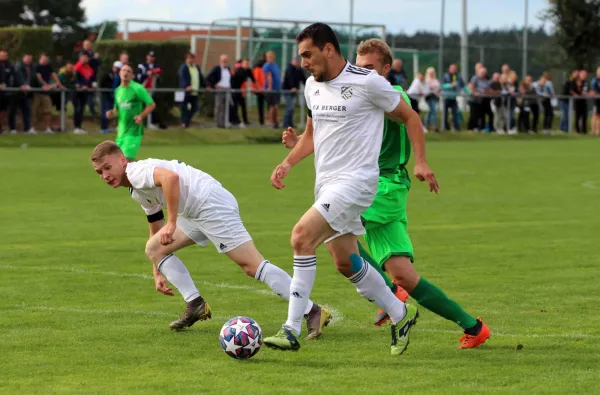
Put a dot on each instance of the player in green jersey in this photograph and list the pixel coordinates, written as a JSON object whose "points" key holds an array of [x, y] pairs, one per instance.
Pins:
{"points": [[386, 221], [130, 99]]}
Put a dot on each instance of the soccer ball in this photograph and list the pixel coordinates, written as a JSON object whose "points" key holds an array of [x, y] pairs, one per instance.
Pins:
{"points": [[241, 337]]}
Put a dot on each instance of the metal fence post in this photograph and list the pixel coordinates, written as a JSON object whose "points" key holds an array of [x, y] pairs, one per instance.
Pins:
{"points": [[63, 110], [508, 114], [570, 115], [227, 104], [442, 125]]}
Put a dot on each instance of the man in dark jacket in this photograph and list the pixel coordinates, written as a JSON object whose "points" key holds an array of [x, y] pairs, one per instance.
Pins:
{"points": [[108, 84], [241, 74], [190, 79], [22, 101], [94, 62], [294, 76], [219, 78], [148, 74], [9, 78], [397, 75]]}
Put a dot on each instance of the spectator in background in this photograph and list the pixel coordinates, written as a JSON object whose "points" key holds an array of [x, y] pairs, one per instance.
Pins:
{"points": [[70, 80], [496, 89], [85, 84], [545, 91], [7, 80], [505, 69], [294, 76], [273, 86], [148, 74], [397, 75], [240, 75], [528, 106], [259, 85], [21, 101], [480, 106], [220, 79], [569, 88], [501, 118], [416, 91], [582, 91], [47, 80], [108, 84], [94, 62], [512, 93], [433, 89], [190, 79], [595, 90], [452, 85]]}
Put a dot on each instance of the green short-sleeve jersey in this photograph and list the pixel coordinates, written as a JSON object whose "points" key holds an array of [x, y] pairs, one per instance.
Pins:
{"points": [[129, 102], [395, 148]]}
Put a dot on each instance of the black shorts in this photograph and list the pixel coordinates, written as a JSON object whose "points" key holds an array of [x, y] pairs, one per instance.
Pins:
{"points": [[273, 99], [597, 106]]}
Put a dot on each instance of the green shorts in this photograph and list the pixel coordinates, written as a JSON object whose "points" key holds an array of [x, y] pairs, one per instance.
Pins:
{"points": [[130, 145], [386, 222]]}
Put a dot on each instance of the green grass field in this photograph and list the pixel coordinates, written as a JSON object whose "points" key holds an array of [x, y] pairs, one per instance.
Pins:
{"points": [[513, 237]]}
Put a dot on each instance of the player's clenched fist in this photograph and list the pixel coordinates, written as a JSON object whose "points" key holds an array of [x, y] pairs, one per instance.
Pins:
{"points": [[289, 138], [166, 234], [280, 172]]}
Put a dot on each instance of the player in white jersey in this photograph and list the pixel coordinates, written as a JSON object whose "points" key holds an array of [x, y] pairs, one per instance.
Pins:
{"points": [[199, 211], [347, 105]]}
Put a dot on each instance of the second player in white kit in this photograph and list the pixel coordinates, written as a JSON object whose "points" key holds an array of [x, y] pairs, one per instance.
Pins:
{"points": [[347, 105], [199, 211]]}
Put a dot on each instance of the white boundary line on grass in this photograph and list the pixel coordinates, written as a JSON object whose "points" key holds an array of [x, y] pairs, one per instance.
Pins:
{"points": [[338, 317], [591, 185]]}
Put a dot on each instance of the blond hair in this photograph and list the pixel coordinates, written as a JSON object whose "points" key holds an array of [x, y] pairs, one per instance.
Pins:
{"points": [[429, 71], [378, 46], [103, 149]]}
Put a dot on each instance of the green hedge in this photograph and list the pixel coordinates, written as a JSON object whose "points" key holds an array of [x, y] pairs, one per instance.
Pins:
{"points": [[170, 55], [21, 40]]}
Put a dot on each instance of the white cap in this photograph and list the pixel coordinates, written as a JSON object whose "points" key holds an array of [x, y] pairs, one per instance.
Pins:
{"points": [[118, 64]]}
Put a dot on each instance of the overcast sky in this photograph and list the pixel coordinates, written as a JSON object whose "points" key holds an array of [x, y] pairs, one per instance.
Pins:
{"points": [[404, 15]]}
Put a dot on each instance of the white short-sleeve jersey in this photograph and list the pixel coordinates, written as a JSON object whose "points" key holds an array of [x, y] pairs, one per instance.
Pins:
{"points": [[348, 118], [194, 186]]}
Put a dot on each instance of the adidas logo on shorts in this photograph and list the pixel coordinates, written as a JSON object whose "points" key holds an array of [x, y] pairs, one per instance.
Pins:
{"points": [[222, 246], [326, 206], [296, 295]]}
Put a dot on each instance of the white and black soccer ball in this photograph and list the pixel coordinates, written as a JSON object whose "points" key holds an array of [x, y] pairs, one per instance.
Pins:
{"points": [[241, 337]]}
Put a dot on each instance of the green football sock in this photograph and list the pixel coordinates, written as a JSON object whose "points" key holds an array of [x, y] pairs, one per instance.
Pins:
{"points": [[365, 255], [435, 300]]}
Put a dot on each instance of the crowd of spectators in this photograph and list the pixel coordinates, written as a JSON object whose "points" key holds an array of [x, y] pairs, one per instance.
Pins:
{"points": [[499, 102]]}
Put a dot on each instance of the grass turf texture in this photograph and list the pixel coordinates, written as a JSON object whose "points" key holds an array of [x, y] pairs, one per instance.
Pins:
{"points": [[512, 237]]}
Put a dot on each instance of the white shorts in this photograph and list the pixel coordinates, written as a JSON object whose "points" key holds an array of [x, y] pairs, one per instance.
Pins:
{"points": [[342, 205], [218, 222]]}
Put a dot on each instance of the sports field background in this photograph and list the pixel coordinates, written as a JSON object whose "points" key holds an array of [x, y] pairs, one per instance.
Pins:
{"points": [[512, 236]]}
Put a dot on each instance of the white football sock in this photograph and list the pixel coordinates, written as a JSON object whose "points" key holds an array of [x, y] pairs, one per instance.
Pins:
{"points": [[278, 280], [371, 285], [305, 271], [177, 274]]}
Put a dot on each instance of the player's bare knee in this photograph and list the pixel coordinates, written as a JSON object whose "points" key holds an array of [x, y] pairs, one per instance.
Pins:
{"points": [[154, 251], [303, 243]]}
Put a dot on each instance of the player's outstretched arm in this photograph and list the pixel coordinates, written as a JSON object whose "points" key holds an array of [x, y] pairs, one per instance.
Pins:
{"points": [[303, 148], [169, 182], [403, 113]]}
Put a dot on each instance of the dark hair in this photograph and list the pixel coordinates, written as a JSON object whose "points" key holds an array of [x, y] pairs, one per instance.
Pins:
{"points": [[3, 50], [321, 35], [190, 55]]}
